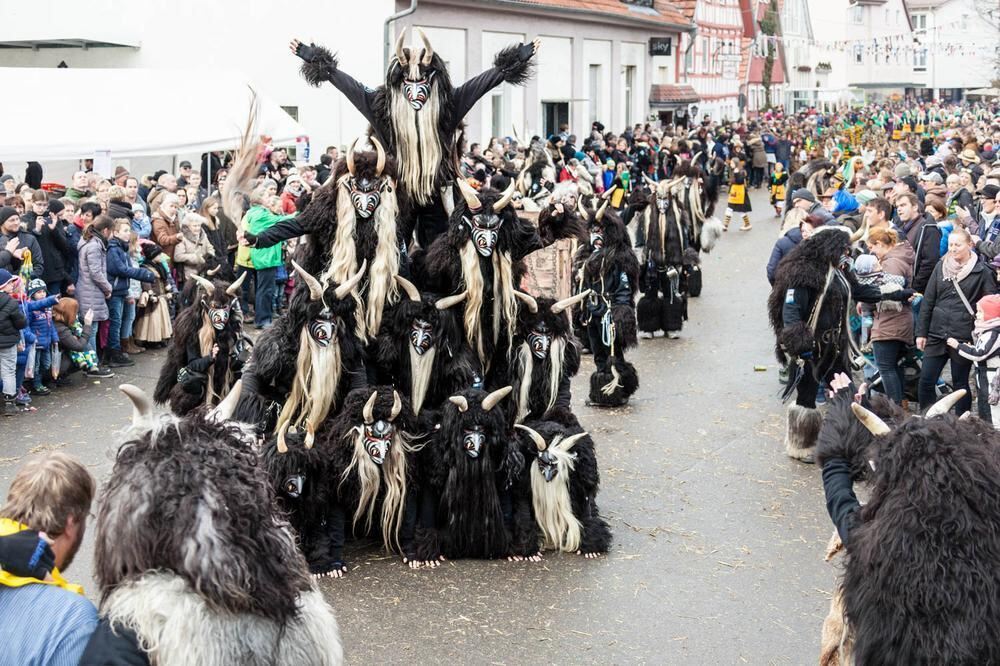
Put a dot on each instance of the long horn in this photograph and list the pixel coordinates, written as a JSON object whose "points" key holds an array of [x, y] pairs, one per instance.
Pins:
{"points": [[234, 288], [351, 282], [224, 410], [207, 284], [559, 306], [380, 151], [601, 211], [870, 420], [944, 405], [369, 411], [428, 49], [400, 53], [649, 181], [142, 406], [350, 157], [535, 437], [449, 301], [397, 406], [567, 444], [411, 289], [528, 300], [460, 402], [505, 198], [214, 271], [469, 194], [860, 233], [315, 288], [490, 401]]}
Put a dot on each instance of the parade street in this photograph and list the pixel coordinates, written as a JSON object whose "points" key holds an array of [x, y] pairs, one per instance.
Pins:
{"points": [[719, 537]]}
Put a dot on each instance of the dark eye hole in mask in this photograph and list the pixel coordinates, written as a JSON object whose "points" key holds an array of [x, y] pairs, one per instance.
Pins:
{"points": [[293, 485]]}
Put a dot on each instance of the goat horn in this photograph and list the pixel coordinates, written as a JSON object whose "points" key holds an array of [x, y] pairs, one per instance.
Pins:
{"points": [[599, 215], [350, 157], [870, 420], [400, 53], [214, 271], [648, 180], [411, 289], [528, 300], [315, 288], [569, 442], [428, 49], [449, 301], [207, 284], [535, 437], [469, 194], [234, 288], [505, 198], [944, 405], [142, 406], [860, 233], [351, 282], [369, 411], [490, 401], [397, 406], [559, 306], [224, 410], [460, 402], [380, 151]]}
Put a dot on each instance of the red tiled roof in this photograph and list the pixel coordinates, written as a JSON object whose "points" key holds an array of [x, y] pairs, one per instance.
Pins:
{"points": [[670, 94], [663, 11], [687, 7], [757, 69]]}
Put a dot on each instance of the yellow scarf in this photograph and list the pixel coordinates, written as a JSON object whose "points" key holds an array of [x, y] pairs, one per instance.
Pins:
{"points": [[7, 579]]}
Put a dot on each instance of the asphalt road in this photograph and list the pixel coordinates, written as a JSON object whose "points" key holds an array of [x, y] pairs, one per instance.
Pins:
{"points": [[719, 538]]}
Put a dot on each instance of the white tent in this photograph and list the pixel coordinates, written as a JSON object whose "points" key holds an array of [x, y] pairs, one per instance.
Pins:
{"points": [[73, 113]]}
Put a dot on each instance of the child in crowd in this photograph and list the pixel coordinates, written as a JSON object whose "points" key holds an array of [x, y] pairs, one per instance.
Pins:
{"points": [[12, 320], [778, 181], [985, 352], [73, 337], [44, 330], [868, 271]]}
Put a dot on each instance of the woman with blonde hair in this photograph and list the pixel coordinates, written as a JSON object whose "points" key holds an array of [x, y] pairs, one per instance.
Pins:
{"points": [[194, 251]]}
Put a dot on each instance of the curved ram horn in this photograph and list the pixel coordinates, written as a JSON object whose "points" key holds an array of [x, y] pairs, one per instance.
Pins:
{"points": [[315, 288], [428, 49], [599, 215], [504, 199], [351, 282], [234, 288], [369, 411], [870, 420], [224, 410], [528, 300], [490, 401], [397, 406], [649, 181], [411, 289], [559, 306], [469, 194], [460, 402], [214, 271], [350, 157], [535, 437], [400, 53], [567, 443], [205, 283], [380, 151], [944, 405], [449, 301], [142, 406]]}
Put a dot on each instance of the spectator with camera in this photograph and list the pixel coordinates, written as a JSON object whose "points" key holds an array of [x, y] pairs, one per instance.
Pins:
{"points": [[19, 247]]}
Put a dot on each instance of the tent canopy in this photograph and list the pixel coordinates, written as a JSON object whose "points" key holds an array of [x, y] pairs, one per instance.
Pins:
{"points": [[210, 115], [984, 92]]}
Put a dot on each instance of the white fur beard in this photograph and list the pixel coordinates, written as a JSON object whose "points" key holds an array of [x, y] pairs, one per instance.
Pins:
{"points": [[391, 475], [525, 368], [317, 375], [504, 301], [421, 366], [553, 508], [472, 278], [418, 151]]}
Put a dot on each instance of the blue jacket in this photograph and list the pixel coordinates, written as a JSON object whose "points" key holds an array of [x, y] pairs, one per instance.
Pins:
{"points": [[41, 323], [29, 307], [143, 227], [121, 270], [784, 245]]}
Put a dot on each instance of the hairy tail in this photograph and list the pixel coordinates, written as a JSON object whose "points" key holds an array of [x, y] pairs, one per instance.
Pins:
{"points": [[236, 189]]}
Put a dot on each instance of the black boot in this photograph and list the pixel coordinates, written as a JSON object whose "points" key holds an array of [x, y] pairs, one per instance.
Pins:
{"points": [[119, 359], [9, 408]]}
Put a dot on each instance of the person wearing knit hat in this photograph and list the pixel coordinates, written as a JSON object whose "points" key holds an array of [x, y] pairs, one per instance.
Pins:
{"points": [[12, 320], [903, 170], [985, 346], [865, 197], [18, 249]]}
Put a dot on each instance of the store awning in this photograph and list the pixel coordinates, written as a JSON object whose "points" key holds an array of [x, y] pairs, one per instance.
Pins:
{"points": [[666, 95], [13, 36]]}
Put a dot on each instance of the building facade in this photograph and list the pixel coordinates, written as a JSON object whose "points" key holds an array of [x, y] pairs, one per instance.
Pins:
{"points": [[878, 59], [755, 52]]}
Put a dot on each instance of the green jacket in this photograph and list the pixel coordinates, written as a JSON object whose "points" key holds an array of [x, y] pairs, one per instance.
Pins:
{"points": [[258, 219]]}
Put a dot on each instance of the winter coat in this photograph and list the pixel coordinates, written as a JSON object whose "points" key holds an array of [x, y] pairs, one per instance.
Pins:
{"points": [[13, 264], [784, 245], [121, 270], [758, 155], [57, 252], [193, 252], [92, 287], [259, 219], [73, 235], [69, 341], [943, 315], [165, 233], [896, 324], [822, 213], [12, 320], [925, 239], [40, 319], [143, 227]]}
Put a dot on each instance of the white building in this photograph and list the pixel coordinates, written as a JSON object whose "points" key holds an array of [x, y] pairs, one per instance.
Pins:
{"points": [[878, 62], [957, 48]]}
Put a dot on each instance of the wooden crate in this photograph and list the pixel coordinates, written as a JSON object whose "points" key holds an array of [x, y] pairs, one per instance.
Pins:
{"points": [[549, 270]]}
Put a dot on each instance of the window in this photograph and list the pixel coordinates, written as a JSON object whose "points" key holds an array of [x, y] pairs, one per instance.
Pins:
{"points": [[919, 22], [293, 111], [554, 114], [704, 55], [857, 14], [594, 73], [496, 114], [859, 54], [920, 60], [887, 12], [688, 58], [629, 92]]}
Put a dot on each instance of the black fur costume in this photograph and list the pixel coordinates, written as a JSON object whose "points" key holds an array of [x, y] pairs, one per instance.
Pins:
{"points": [[662, 277], [608, 267], [512, 65], [923, 555], [578, 469], [186, 375]]}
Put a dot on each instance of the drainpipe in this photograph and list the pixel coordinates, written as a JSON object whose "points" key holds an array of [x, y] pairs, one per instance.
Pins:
{"points": [[385, 31]]}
